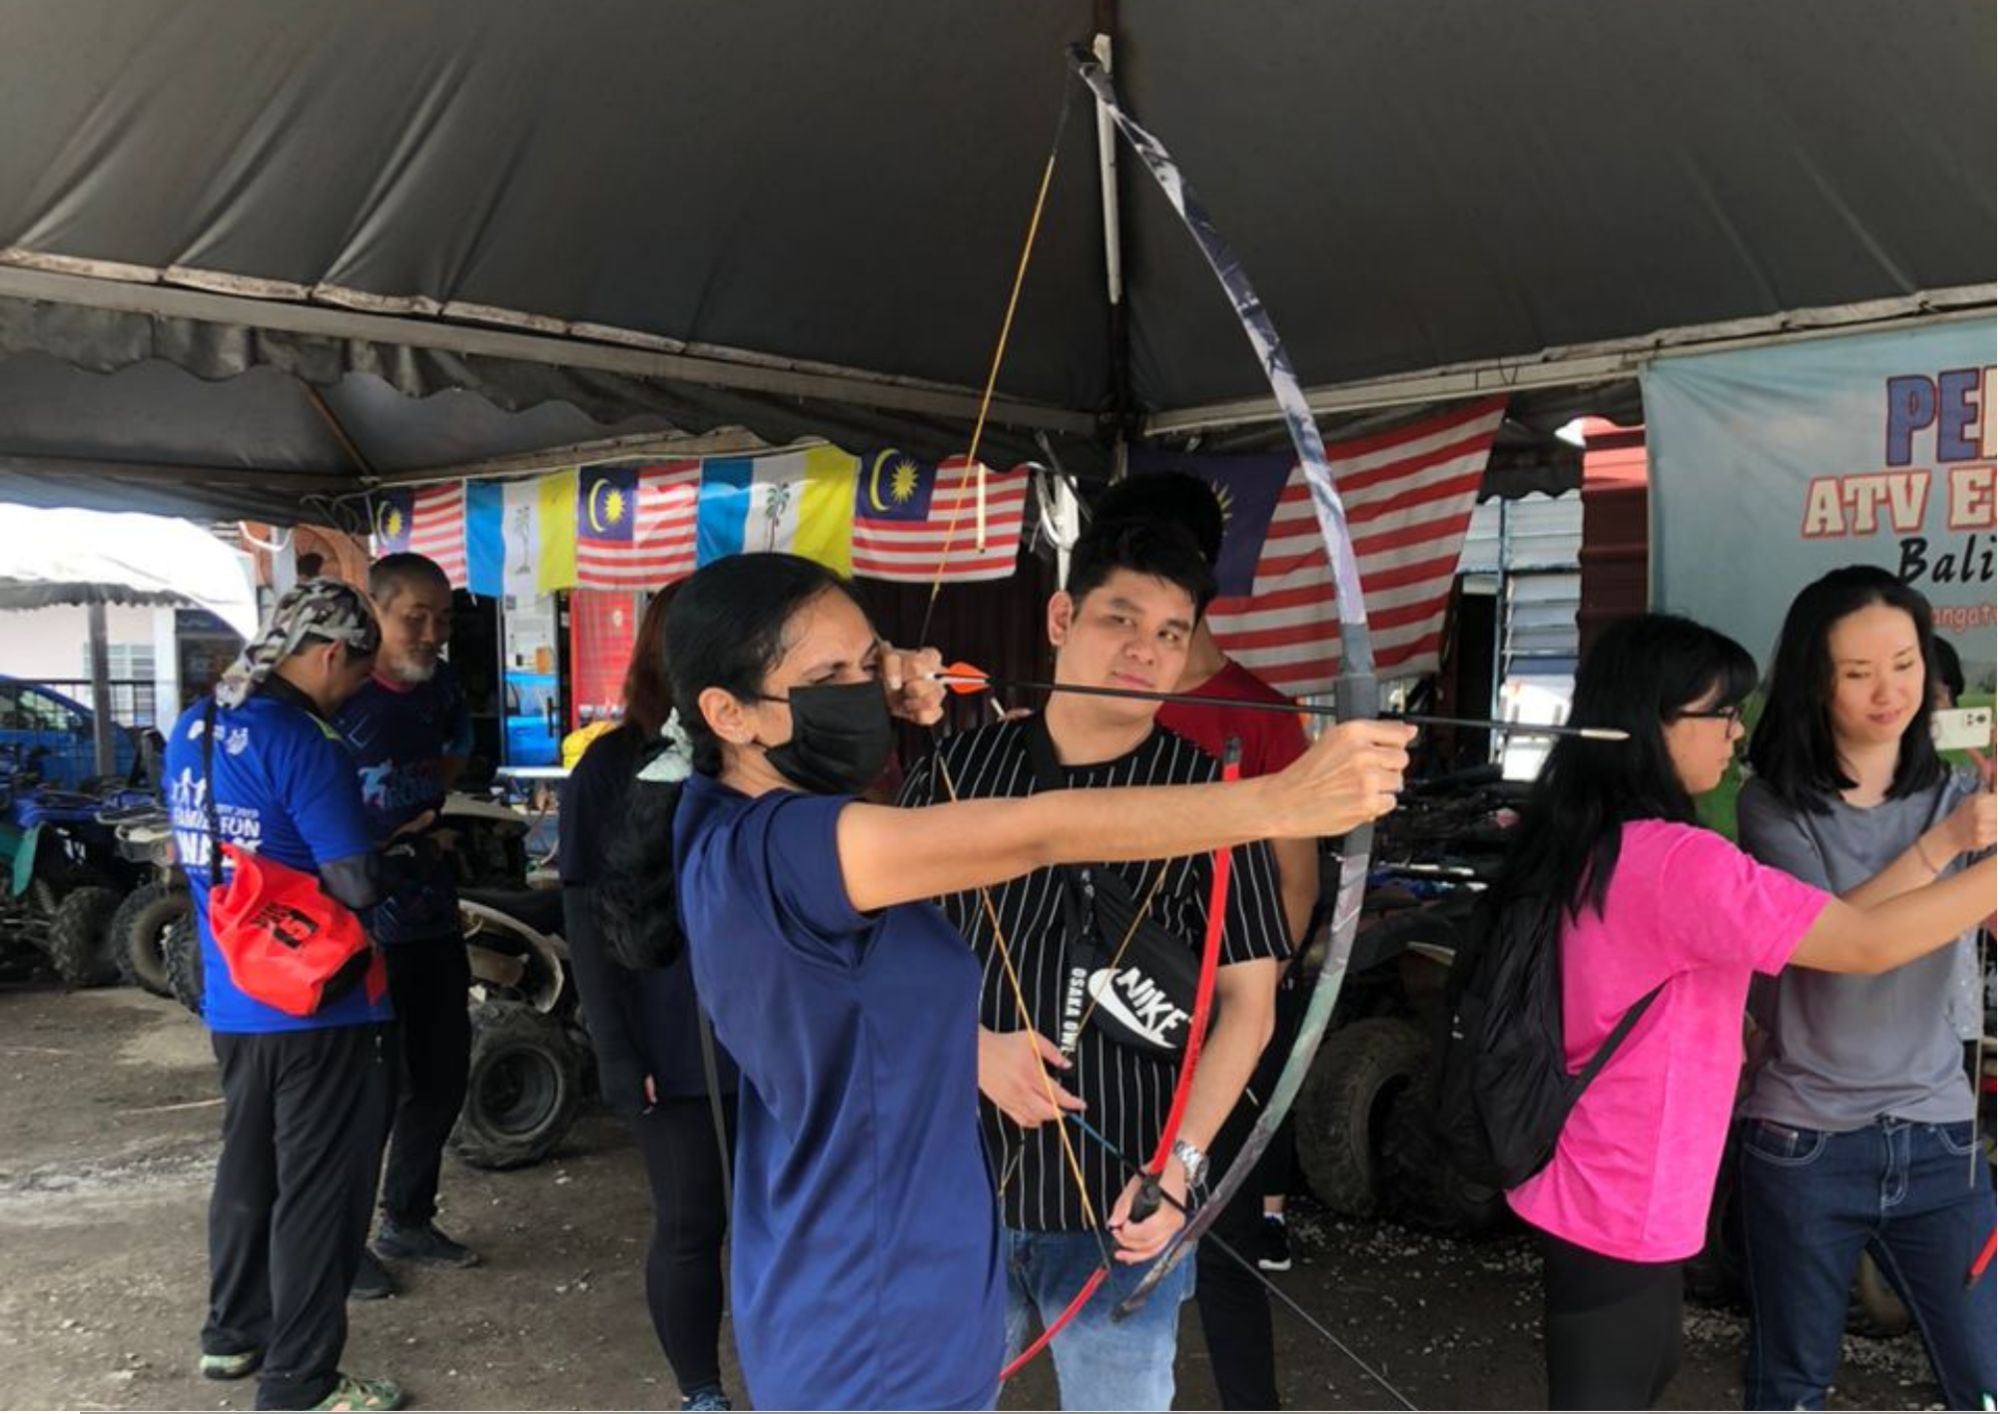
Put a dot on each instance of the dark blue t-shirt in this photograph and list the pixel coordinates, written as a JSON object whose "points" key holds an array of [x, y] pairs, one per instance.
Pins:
{"points": [[866, 1266], [285, 788], [400, 735]]}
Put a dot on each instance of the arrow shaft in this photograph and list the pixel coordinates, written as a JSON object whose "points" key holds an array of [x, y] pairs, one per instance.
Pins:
{"points": [[1196, 699]]}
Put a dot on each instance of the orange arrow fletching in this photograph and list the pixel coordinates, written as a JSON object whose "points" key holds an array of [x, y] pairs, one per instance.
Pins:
{"points": [[963, 679]]}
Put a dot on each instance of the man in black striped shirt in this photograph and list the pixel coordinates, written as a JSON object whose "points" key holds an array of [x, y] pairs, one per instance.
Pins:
{"points": [[1135, 593]]}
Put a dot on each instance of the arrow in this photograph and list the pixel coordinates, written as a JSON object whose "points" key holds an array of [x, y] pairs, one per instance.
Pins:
{"points": [[965, 680]]}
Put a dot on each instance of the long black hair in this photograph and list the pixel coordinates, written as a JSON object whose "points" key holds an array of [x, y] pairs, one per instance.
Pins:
{"points": [[1639, 675], [1792, 749], [725, 628]]}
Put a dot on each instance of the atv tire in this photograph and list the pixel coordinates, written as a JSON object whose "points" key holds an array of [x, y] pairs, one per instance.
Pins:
{"points": [[1344, 1106], [524, 1088], [183, 959], [139, 932], [79, 936]]}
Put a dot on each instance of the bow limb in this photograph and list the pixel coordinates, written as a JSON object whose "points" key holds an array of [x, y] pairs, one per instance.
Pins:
{"points": [[1356, 691], [1204, 1004]]}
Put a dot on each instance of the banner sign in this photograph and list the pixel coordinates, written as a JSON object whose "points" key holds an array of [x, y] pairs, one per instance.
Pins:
{"points": [[1771, 466]]}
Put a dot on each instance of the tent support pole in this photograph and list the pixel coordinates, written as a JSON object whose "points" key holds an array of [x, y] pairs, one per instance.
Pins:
{"points": [[102, 727]]}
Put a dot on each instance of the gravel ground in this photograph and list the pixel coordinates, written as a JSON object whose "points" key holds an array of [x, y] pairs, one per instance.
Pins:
{"points": [[108, 1104]]}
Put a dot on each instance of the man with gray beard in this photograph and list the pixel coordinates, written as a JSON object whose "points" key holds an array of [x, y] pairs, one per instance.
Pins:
{"points": [[410, 733]]}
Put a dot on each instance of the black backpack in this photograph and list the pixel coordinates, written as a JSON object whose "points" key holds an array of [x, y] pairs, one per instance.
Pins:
{"points": [[1504, 1088]]}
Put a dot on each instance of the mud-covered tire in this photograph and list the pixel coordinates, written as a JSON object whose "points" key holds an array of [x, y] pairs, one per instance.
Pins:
{"points": [[138, 934], [523, 1090], [183, 959], [1344, 1106], [78, 941]]}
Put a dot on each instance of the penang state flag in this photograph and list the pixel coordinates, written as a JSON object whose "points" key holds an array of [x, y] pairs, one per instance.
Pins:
{"points": [[911, 516], [797, 502], [635, 524], [521, 535], [428, 520]]}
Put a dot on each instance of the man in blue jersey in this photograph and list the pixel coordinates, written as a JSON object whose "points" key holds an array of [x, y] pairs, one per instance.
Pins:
{"points": [[304, 1096], [410, 734]]}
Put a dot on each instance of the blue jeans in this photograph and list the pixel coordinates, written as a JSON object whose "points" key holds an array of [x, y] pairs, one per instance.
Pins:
{"points": [[1813, 1200], [1098, 1365]]}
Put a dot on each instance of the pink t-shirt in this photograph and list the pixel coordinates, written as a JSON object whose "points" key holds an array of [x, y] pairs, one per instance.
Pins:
{"points": [[1636, 1164]]}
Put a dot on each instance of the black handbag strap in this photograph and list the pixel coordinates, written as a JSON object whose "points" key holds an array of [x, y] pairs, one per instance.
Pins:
{"points": [[1075, 883], [1618, 1034]]}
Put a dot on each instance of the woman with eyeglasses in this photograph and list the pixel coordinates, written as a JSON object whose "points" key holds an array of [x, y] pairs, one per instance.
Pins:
{"points": [[1653, 900], [1857, 1130]]}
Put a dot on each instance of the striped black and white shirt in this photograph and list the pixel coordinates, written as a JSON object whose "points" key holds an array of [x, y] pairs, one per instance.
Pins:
{"points": [[1128, 1093]]}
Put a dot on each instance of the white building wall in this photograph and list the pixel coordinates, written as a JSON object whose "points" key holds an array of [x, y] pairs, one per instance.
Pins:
{"points": [[53, 645]]}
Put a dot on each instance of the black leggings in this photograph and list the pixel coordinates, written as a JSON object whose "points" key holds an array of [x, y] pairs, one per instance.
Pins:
{"points": [[684, 1264], [1611, 1329]]}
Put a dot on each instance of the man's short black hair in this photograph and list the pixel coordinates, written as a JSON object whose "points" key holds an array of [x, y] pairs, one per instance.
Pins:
{"points": [[1177, 497], [392, 574], [1158, 549]]}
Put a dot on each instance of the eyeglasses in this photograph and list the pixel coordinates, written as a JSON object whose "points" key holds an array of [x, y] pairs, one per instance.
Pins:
{"points": [[1733, 716]]}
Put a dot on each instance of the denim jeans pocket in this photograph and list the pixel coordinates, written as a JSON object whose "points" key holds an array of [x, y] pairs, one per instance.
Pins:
{"points": [[1782, 1145], [1957, 1139]]}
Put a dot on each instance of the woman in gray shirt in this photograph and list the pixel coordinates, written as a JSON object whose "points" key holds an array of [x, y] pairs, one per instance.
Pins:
{"points": [[1858, 1126]]}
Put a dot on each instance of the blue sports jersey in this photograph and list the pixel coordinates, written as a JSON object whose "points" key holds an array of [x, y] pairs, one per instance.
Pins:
{"points": [[865, 1259], [400, 735], [285, 790]]}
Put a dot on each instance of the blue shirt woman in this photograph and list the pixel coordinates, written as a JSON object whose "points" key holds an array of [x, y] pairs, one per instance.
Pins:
{"points": [[865, 1271]]}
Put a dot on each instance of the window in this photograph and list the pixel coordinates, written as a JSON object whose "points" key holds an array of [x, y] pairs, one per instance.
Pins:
{"points": [[37, 711], [130, 662]]}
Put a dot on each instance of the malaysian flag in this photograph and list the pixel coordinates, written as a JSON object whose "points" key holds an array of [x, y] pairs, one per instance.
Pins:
{"points": [[1409, 494], [635, 524], [428, 520], [910, 515]]}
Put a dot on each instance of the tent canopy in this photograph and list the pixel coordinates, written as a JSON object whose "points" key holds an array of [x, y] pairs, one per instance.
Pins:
{"points": [[300, 246], [52, 557]]}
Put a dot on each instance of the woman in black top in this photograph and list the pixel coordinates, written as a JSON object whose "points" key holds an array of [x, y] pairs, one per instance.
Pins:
{"points": [[644, 1029]]}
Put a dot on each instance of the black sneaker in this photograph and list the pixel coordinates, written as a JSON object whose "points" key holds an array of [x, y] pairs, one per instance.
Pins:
{"points": [[1274, 1245], [422, 1244], [706, 1398], [372, 1281]]}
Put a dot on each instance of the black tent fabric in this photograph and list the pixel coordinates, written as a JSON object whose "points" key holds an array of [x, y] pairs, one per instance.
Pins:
{"points": [[807, 216]]}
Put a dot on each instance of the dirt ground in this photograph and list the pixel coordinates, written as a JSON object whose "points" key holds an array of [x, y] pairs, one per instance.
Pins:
{"points": [[109, 1115]]}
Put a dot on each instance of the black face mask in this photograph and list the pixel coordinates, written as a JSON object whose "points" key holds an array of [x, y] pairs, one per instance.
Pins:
{"points": [[841, 738]]}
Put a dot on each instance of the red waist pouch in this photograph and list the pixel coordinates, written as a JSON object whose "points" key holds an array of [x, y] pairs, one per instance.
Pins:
{"points": [[285, 941]]}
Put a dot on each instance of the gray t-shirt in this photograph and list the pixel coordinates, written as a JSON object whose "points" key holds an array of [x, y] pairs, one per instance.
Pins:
{"points": [[1845, 1050]]}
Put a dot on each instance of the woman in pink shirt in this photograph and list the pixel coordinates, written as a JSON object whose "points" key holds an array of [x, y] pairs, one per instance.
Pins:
{"points": [[1653, 897]]}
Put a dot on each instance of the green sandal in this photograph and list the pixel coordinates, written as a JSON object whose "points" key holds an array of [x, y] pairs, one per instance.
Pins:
{"points": [[231, 1367], [352, 1394]]}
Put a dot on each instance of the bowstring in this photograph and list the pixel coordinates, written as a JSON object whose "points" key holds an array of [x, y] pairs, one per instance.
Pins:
{"points": [[1244, 1262], [1004, 953]]}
